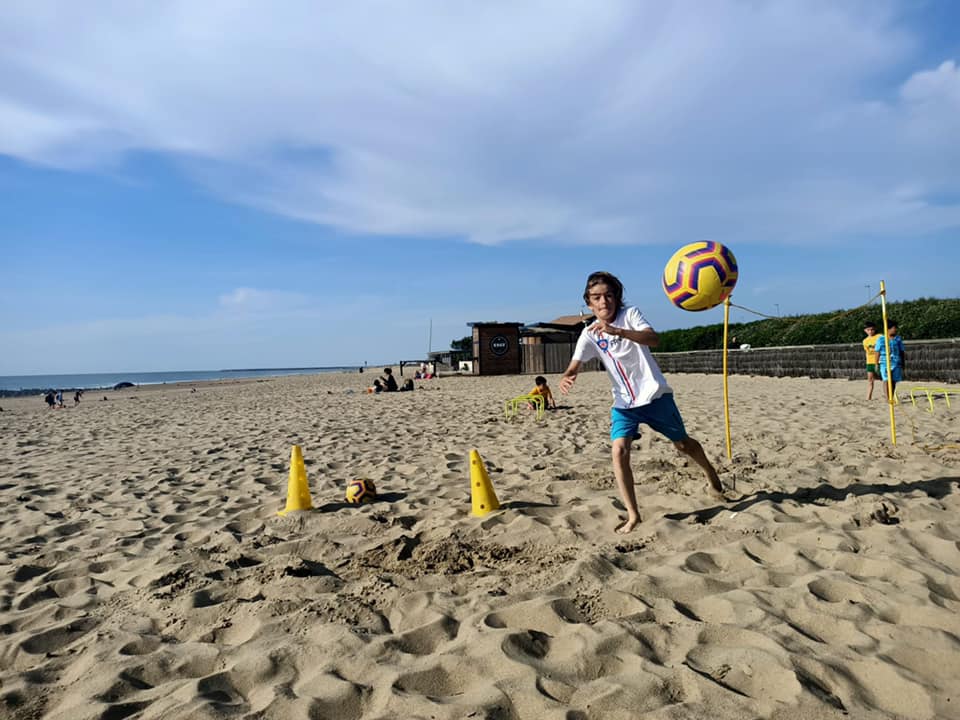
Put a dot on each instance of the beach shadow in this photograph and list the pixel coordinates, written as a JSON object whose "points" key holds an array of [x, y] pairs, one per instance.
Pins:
{"points": [[521, 504], [332, 507], [936, 488], [308, 568], [387, 497]]}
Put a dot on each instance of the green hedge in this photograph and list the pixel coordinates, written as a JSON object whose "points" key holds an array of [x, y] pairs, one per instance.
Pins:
{"points": [[923, 319]]}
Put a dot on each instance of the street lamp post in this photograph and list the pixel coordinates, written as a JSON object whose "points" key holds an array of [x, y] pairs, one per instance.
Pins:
{"points": [[777, 305]]}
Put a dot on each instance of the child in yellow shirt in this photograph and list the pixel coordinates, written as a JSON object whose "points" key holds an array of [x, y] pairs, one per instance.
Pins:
{"points": [[543, 390], [873, 369]]}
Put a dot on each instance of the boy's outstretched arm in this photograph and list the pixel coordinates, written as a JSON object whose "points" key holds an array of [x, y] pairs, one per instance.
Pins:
{"points": [[569, 376]]}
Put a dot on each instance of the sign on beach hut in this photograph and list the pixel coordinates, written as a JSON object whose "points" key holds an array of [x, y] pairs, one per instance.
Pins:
{"points": [[496, 348]]}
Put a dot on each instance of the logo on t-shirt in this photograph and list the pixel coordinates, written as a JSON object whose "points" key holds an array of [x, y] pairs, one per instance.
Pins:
{"points": [[606, 344]]}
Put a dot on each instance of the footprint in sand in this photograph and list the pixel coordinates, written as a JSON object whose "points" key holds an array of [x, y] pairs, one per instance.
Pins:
{"points": [[119, 711], [141, 646], [220, 692], [337, 697], [549, 617], [702, 562], [428, 638], [125, 686], [747, 671], [439, 681], [28, 572], [58, 638], [834, 591], [33, 597], [528, 646]]}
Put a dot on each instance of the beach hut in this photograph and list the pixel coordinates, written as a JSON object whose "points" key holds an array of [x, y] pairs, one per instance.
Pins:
{"points": [[501, 348], [546, 347], [496, 348]]}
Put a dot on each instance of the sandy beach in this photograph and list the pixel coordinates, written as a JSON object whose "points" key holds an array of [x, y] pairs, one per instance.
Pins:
{"points": [[146, 573]]}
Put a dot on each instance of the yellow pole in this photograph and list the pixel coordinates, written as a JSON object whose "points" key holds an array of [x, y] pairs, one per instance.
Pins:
{"points": [[886, 357], [726, 395]]}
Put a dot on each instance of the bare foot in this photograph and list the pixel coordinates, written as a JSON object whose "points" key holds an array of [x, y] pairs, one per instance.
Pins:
{"points": [[628, 526]]}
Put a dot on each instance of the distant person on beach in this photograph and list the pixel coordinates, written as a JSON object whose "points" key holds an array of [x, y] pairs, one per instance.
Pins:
{"points": [[50, 398], [389, 381], [59, 398], [870, 349], [621, 338], [76, 397], [543, 390], [897, 358]]}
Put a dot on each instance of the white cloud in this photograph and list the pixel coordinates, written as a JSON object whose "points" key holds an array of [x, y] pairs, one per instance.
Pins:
{"points": [[578, 122], [938, 86], [252, 300]]}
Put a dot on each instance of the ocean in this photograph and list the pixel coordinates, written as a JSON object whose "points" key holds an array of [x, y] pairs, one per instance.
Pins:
{"points": [[24, 384]]}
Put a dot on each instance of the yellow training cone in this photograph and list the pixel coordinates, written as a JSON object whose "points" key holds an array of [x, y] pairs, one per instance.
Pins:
{"points": [[482, 496], [298, 492]]}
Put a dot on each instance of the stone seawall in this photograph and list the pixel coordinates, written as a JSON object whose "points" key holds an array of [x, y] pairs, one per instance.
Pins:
{"points": [[926, 361]]}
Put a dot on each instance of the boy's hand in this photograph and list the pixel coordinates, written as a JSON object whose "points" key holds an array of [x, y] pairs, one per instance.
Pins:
{"points": [[600, 326], [566, 382]]}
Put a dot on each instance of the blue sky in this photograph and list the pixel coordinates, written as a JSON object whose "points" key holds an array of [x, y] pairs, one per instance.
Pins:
{"points": [[217, 185]]}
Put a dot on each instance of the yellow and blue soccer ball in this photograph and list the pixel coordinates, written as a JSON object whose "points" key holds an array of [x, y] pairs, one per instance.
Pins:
{"points": [[700, 275], [360, 491]]}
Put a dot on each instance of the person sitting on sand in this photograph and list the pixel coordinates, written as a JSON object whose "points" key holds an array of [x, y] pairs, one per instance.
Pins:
{"points": [[621, 338], [389, 381], [543, 390]]}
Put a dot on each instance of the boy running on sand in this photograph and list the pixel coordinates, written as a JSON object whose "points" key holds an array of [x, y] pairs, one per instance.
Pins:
{"points": [[621, 337]]}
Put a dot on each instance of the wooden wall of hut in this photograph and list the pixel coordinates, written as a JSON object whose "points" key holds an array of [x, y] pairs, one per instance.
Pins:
{"points": [[926, 361], [550, 358]]}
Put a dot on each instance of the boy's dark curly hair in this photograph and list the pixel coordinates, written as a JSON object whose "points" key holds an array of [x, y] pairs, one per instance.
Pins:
{"points": [[607, 279]]}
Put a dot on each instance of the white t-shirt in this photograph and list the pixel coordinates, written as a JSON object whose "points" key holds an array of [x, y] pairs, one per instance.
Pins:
{"points": [[634, 374]]}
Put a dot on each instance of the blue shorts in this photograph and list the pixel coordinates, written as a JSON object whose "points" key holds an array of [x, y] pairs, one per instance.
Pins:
{"points": [[895, 372], [662, 415]]}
